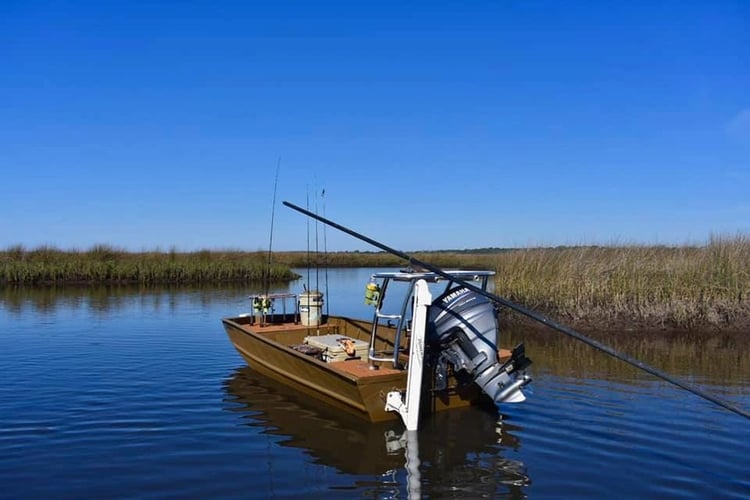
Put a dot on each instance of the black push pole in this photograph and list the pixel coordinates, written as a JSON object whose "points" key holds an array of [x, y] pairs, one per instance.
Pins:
{"points": [[531, 314]]}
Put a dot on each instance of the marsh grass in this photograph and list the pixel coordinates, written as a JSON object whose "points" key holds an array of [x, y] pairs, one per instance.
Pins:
{"points": [[378, 259], [682, 287], [47, 265], [615, 286]]}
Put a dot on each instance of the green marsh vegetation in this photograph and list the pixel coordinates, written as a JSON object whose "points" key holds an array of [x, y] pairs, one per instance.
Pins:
{"points": [[106, 264], [445, 259], [610, 287]]}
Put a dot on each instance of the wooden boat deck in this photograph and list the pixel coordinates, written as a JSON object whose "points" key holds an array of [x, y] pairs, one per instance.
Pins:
{"points": [[349, 384], [361, 369], [357, 367]]}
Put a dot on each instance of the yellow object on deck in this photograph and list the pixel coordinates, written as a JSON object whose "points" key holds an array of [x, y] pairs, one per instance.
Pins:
{"points": [[372, 294]]}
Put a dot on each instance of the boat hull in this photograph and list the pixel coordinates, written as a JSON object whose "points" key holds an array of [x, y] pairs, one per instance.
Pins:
{"points": [[348, 385]]}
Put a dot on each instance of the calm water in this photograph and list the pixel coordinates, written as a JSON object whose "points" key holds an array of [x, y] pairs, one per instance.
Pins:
{"points": [[127, 393]]}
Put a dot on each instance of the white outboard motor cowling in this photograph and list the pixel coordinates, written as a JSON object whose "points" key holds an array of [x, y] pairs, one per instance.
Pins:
{"points": [[462, 329]]}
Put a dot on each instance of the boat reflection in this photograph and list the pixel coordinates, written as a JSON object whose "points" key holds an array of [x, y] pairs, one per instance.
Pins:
{"points": [[455, 452]]}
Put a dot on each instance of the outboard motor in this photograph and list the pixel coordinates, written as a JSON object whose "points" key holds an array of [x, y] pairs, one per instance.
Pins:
{"points": [[462, 328]]}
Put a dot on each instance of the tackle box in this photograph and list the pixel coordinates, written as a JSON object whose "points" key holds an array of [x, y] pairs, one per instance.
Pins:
{"points": [[333, 346]]}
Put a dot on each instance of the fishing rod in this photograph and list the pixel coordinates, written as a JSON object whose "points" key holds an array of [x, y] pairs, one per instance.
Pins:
{"points": [[530, 314], [325, 250], [270, 238], [317, 251]]}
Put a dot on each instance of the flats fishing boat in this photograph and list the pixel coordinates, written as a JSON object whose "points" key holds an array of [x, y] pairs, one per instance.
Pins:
{"points": [[442, 343], [423, 354]]}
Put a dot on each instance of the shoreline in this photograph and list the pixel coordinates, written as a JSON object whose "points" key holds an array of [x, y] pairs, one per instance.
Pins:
{"points": [[594, 326], [629, 329], [630, 288]]}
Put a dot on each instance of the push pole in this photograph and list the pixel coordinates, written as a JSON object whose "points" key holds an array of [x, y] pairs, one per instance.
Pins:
{"points": [[531, 314]]}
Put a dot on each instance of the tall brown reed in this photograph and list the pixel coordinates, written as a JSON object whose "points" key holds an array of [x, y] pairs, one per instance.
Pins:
{"points": [[684, 287]]}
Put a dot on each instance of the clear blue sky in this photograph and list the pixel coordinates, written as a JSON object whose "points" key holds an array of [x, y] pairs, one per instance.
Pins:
{"points": [[430, 125]]}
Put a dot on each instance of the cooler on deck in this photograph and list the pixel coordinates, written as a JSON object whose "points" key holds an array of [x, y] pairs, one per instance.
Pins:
{"points": [[334, 347]]}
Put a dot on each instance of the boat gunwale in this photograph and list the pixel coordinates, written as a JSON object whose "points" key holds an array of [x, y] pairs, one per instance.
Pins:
{"points": [[374, 378], [304, 382]]}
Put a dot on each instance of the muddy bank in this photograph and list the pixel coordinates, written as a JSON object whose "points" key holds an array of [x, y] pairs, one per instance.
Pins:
{"points": [[602, 329]]}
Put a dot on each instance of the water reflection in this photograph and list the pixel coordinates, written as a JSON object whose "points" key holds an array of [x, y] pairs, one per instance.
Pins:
{"points": [[704, 357], [711, 359], [460, 452], [113, 298]]}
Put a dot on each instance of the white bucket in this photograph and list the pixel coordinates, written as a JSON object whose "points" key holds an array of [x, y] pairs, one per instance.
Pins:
{"points": [[311, 308]]}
